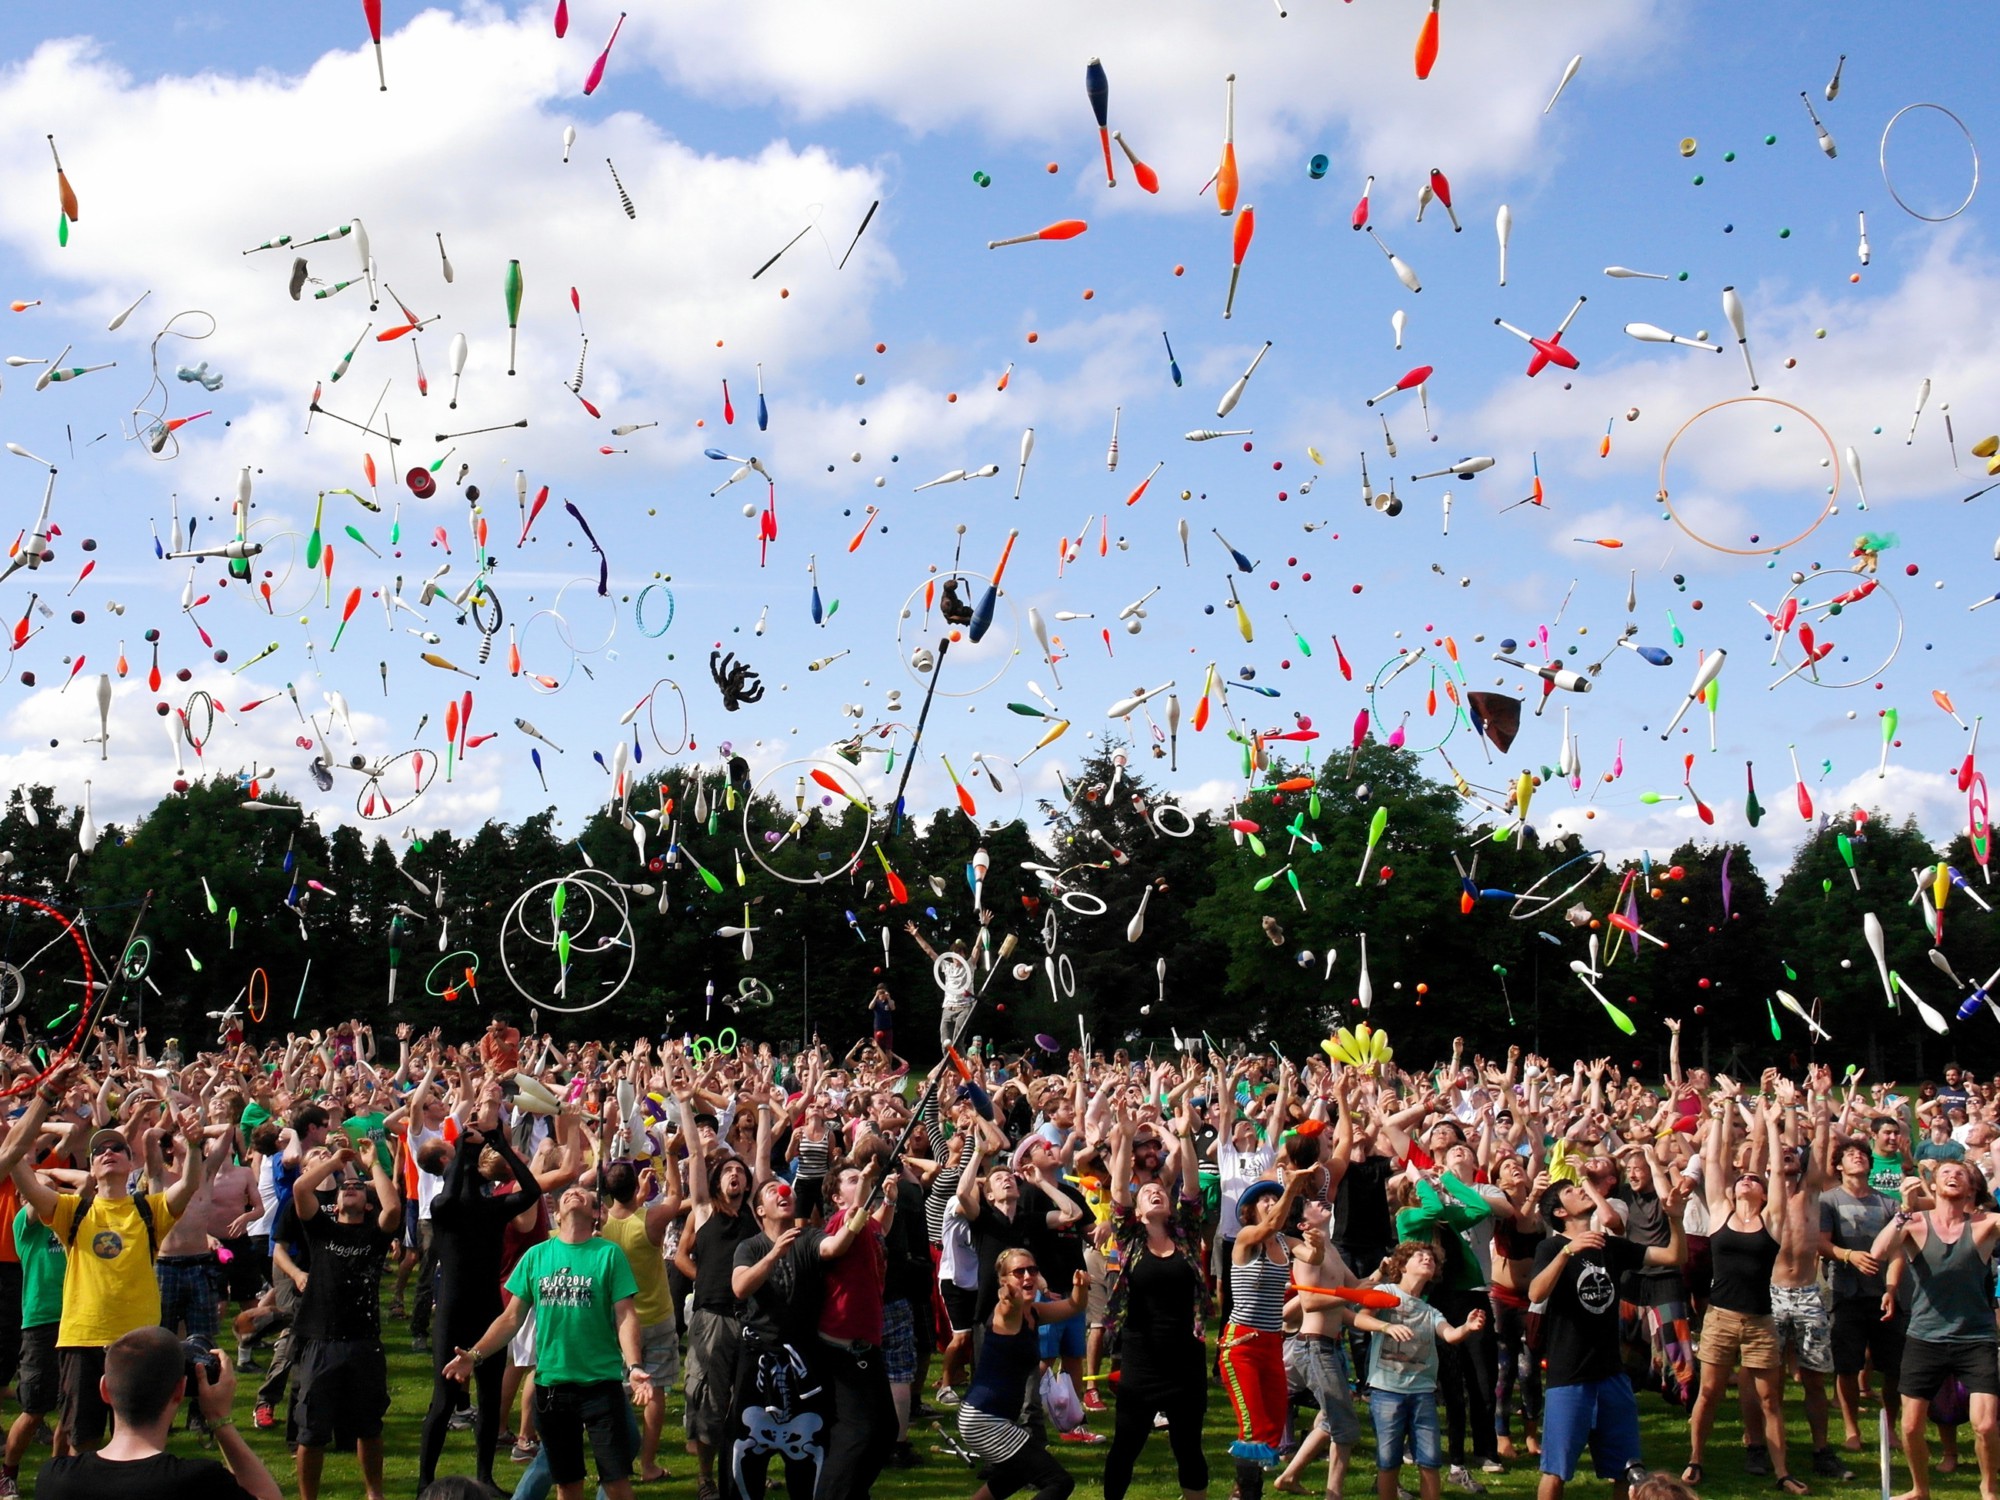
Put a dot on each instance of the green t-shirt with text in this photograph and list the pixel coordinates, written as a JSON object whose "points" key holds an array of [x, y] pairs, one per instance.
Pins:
{"points": [[575, 1290], [1886, 1176]]}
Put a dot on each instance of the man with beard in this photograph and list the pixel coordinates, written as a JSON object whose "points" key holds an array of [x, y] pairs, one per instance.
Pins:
{"points": [[1868, 1323], [778, 1274], [1951, 1335], [1588, 1396], [342, 1389]]}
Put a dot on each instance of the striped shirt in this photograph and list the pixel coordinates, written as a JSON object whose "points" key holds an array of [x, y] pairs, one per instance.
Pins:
{"points": [[1257, 1289]]}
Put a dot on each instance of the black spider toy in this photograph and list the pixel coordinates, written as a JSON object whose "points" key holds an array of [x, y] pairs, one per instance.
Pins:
{"points": [[737, 681]]}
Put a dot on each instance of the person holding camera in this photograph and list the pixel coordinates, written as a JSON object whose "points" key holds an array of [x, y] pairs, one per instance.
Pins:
{"points": [[342, 1390], [147, 1373]]}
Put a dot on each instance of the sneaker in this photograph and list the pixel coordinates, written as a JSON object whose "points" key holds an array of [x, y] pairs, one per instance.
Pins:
{"points": [[1092, 1401], [1827, 1465], [945, 1396], [8, 1489], [265, 1418], [1461, 1476], [525, 1450], [1492, 1466], [461, 1421], [298, 281], [1082, 1435], [1159, 1421], [1757, 1461]]}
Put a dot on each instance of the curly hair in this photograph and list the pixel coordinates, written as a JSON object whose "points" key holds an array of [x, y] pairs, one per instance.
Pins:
{"points": [[1399, 1258]]}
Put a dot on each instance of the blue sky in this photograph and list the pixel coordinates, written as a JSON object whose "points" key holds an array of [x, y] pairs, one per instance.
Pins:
{"points": [[214, 127]]}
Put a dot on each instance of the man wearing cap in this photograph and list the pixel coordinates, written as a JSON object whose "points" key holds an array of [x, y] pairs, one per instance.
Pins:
{"points": [[109, 1287], [342, 1389]]}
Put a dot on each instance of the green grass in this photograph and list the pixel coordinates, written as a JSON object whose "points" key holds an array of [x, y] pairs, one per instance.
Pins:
{"points": [[944, 1475]]}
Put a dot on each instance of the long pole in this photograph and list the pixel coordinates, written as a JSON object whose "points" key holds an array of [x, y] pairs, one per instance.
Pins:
{"points": [[937, 671]]}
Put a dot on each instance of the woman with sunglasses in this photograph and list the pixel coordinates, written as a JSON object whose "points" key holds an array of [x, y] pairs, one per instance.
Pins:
{"points": [[1742, 1248], [989, 1419]]}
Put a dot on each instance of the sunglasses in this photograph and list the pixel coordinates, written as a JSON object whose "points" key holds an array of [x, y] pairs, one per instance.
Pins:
{"points": [[103, 1146], [1024, 1271]]}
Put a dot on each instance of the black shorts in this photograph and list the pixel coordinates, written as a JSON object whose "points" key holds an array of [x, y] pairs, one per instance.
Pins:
{"points": [[1927, 1366], [567, 1411], [1860, 1334], [85, 1415], [242, 1277], [961, 1305], [340, 1393], [41, 1376]]}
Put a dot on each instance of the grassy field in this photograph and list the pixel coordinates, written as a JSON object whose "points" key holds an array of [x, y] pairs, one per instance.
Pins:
{"points": [[944, 1475]]}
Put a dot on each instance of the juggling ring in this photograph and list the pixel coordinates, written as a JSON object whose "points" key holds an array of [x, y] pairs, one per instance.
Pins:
{"points": [[137, 959], [652, 699], [714, 1044], [1080, 903], [457, 953], [371, 784], [187, 720], [563, 619], [1833, 495], [1596, 863], [949, 964], [923, 679], [1158, 814], [1882, 156], [1382, 724], [1019, 796], [1066, 976], [752, 993], [835, 870], [260, 995], [639, 611], [562, 634], [1978, 819], [1895, 648], [277, 606], [86, 1008], [588, 880]]}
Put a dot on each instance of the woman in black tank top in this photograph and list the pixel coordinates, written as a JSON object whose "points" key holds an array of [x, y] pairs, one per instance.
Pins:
{"points": [[1746, 1211]]}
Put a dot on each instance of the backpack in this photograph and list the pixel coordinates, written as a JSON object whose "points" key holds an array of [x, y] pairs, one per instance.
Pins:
{"points": [[89, 1196]]}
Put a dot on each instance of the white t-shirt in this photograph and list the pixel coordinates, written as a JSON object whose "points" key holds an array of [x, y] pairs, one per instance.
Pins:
{"points": [[1237, 1170], [267, 1187], [428, 1187]]}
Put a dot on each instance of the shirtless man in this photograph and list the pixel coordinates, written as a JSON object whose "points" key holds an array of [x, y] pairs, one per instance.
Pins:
{"points": [[1798, 1312], [1323, 1323], [189, 1273], [232, 1185]]}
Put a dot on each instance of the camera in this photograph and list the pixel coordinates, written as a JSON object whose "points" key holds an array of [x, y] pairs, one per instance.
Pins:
{"points": [[200, 1362]]}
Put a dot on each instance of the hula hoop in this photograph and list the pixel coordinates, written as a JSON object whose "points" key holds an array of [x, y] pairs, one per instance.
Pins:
{"points": [[1066, 973], [260, 999], [86, 1009], [1833, 495], [923, 679], [423, 770], [1071, 900], [562, 635], [1882, 157], [652, 701], [595, 884], [563, 619], [949, 964], [639, 611], [1158, 815], [137, 959], [198, 696], [1895, 648], [1596, 863], [1376, 684], [835, 768], [277, 606], [457, 953]]}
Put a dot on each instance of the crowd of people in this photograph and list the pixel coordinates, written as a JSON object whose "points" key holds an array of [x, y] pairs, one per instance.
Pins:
{"points": [[838, 1265]]}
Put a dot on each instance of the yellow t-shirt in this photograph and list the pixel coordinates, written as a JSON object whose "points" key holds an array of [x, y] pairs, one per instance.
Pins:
{"points": [[655, 1301], [109, 1287]]}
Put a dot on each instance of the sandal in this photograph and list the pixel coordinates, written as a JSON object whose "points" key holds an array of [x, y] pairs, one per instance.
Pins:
{"points": [[1691, 1475], [1793, 1486]]}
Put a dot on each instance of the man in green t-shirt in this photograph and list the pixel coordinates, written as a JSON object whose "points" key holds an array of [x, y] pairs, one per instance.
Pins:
{"points": [[1890, 1148], [40, 1391], [588, 1341]]}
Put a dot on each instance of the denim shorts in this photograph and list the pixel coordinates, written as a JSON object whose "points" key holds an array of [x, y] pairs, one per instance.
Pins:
{"points": [[1066, 1339], [1326, 1377], [1601, 1413], [1406, 1424]]}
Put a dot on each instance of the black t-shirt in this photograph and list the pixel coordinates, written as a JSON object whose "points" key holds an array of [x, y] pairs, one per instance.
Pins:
{"points": [[343, 1296], [1059, 1252], [993, 1233], [906, 1271], [714, 1255], [785, 1309], [1580, 1320], [1361, 1215], [164, 1476]]}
